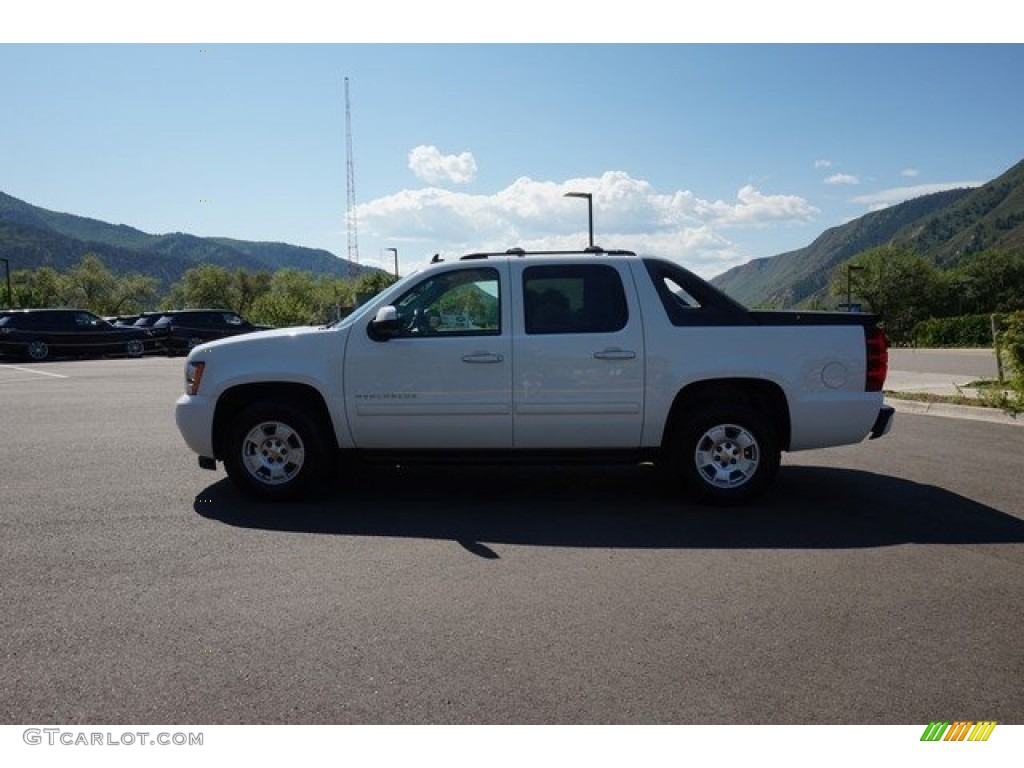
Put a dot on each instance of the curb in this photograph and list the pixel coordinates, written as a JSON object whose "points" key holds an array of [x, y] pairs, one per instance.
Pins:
{"points": [[945, 410]]}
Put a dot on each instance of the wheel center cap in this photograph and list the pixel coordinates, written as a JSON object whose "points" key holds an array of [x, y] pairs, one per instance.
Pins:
{"points": [[274, 451], [726, 453]]}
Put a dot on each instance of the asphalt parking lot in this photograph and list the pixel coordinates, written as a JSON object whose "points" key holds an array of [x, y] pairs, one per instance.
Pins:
{"points": [[876, 583]]}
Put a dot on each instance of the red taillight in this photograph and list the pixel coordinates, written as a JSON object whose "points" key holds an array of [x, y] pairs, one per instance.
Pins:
{"points": [[877, 359]]}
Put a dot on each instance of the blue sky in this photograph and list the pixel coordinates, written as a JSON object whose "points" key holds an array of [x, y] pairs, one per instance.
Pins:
{"points": [[710, 154]]}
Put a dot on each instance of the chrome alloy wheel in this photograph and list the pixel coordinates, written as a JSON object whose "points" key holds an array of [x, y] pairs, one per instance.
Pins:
{"points": [[273, 453], [727, 456]]}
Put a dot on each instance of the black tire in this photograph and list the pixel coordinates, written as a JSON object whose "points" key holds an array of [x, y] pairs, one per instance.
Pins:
{"points": [[275, 450], [135, 348], [725, 454], [37, 350]]}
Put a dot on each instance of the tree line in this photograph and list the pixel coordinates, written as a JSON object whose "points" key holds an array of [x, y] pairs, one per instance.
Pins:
{"points": [[287, 297], [969, 305], [912, 294], [908, 290]]}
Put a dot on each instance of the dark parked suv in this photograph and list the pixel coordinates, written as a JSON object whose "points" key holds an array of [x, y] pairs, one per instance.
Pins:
{"points": [[183, 329], [42, 333]]}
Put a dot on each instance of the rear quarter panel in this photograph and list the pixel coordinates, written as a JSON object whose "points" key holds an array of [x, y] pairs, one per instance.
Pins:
{"points": [[820, 369]]}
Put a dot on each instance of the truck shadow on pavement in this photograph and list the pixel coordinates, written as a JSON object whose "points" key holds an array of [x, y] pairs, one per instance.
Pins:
{"points": [[619, 507]]}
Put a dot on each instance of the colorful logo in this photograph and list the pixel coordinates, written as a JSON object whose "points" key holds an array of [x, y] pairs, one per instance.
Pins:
{"points": [[958, 730]]}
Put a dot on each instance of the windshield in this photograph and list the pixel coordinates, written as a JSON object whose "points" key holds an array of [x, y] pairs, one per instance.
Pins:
{"points": [[374, 301]]}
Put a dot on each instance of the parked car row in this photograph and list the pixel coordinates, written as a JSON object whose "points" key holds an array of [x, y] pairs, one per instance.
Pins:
{"points": [[39, 334]]}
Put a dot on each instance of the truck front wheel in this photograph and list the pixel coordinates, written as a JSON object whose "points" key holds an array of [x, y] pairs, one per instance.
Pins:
{"points": [[274, 450], [725, 454]]}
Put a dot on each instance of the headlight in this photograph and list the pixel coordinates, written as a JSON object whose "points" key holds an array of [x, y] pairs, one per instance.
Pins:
{"points": [[193, 376]]}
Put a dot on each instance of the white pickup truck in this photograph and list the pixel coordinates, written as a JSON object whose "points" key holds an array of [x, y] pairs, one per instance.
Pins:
{"points": [[590, 356]]}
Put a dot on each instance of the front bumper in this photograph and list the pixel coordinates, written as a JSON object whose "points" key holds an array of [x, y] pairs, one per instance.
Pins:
{"points": [[194, 417], [883, 423]]}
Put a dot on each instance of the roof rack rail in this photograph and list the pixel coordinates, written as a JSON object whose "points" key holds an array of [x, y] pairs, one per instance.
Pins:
{"points": [[591, 249]]}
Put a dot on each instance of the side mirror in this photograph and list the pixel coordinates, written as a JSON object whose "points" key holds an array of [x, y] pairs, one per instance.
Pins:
{"points": [[385, 325]]}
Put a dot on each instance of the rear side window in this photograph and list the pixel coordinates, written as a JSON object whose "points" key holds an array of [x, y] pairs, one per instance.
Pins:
{"points": [[574, 298], [689, 300], [48, 320], [191, 320]]}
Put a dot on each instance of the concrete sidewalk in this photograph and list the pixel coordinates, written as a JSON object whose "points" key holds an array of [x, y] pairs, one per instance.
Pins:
{"points": [[969, 412], [943, 372]]}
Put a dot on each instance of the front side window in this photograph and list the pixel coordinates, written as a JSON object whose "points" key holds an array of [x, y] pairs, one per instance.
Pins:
{"points": [[463, 302], [85, 320], [584, 298]]}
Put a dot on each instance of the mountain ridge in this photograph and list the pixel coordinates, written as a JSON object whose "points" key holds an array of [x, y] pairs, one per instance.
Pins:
{"points": [[946, 227], [32, 237]]}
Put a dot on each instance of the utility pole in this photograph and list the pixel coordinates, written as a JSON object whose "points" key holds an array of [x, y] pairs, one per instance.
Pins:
{"points": [[353, 234], [850, 269]]}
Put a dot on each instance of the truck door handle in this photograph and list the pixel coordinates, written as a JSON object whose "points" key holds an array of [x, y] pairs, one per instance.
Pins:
{"points": [[482, 357], [615, 354]]}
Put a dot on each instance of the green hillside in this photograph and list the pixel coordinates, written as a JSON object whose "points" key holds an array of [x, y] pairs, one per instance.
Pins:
{"points": [[946, 227], [989, 218], [32, 237]]}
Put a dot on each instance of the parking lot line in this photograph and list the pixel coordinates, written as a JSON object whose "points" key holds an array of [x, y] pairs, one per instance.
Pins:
{"points": [[28, 370]]}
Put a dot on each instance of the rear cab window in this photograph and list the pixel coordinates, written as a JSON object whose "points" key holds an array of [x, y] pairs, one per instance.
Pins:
{"points": [[573, 298]]}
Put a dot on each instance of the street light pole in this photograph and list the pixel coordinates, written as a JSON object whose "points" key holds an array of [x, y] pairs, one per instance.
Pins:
{"points": [[850, 269], [394, 251], [7, 271], [590, 211]]}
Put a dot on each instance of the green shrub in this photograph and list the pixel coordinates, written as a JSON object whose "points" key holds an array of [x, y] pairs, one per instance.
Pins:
{"points": [[962, 331], [1011, 341], [1011, 345]]}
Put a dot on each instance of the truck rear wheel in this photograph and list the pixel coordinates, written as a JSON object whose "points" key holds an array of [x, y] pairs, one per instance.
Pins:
{"points": [[274, 450], [725, 454]]}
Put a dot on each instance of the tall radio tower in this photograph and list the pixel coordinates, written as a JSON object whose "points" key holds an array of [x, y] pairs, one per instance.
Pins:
{"points": [[353, 234]]}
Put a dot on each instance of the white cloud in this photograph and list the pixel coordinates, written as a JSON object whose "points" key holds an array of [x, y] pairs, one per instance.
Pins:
{"points": [[819, 164], [887, 197], [842, 178], [434, 168], [628, 213], [910, 172], [754, 209]]}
